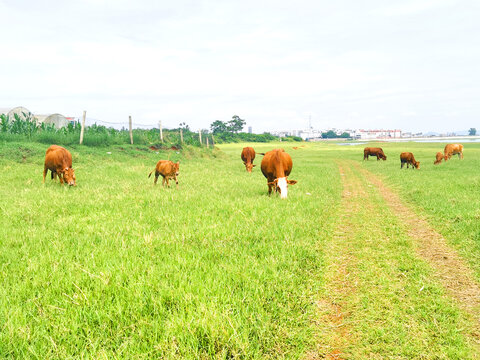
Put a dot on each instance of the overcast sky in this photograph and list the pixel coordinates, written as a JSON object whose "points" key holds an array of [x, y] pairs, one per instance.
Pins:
{"points": [[413, 65]]}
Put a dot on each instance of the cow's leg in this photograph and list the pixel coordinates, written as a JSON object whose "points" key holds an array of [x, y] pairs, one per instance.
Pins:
{"points": [[401, 166], [176, 182], [378, 157], [156, 178], [166, 179], [44, 173]]}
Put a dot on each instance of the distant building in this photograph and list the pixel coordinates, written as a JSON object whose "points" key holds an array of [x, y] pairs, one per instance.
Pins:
{"points": [[20, 111], [377, 134]]}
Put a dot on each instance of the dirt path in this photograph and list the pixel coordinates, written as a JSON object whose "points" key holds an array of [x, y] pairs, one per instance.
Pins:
{"points": [[450, 269], [341, 284]]}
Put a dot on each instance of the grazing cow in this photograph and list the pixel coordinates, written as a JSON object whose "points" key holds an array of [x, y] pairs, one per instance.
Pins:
{"points": [[453, 149], [248, 155], [438, 159], [371, 151], [276, 166], [168, 169], [59, 161], [407, 157]]}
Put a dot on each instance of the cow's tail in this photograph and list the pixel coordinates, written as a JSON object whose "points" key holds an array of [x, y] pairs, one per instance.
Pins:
{"points": [[151, 173], [261, 154]]}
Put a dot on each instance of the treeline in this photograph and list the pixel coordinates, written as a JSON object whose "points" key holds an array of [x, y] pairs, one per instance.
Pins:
{"points": [[230, 131], [26, 128], [332, 135]]}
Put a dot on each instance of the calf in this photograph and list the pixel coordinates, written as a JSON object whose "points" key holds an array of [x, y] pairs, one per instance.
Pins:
{"points": [[371, 151], [439, 158], [248, 155], [276, 166], [59, 161], [168, 169], [407, 157]]}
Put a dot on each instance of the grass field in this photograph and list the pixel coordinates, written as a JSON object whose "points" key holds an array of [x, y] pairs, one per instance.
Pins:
{"points": [[118, 268]]}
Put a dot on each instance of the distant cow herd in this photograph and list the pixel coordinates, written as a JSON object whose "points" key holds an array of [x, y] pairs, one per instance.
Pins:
{"points": [[276, 165], [409, 159]]}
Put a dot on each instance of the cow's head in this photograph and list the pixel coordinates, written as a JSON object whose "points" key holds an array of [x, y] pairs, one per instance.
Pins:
{"points": [[249, 167], [281, 185], [176, 166], [383, 157], [69, 176], [417, 164]]}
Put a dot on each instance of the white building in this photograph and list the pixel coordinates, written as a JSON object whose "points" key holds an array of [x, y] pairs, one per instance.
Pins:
{"points": [[377, 134]]}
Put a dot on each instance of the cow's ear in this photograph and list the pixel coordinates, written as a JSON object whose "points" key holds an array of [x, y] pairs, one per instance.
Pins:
{"points": [[291, 182]]}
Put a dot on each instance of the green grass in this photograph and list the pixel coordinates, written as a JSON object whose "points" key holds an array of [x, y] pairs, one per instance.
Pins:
{"points": [[118, 268], [447, 194]]}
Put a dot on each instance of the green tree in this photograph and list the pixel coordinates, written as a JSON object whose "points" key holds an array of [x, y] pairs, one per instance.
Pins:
{"points": [[218, 127], [472, 131], [330, 134], [236, 124], [184, 126]]}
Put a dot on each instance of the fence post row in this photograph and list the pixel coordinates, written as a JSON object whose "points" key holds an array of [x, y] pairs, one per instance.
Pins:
{"points": [[83, 126], [130, 128], [181, 135]]}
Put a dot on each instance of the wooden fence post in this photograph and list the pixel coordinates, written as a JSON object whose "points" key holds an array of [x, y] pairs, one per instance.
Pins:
{"points": [[82, 131], [161, 132], [200, 136], [130, 129], [181, 135], [213, 142], [207, 141]]}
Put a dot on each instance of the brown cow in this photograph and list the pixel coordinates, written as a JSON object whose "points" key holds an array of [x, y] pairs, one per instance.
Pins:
{"points": [[453, 149], [168, 169], [59, 161], [407, 157], [371, 151], [439, 158], [248, 155], [276, 166]]}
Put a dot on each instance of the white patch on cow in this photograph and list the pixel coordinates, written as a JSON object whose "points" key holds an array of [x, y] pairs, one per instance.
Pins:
{"points": [[282, 184]]}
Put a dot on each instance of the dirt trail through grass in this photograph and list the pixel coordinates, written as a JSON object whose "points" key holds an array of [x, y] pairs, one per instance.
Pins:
{"points": [[452, 271], [382, 299], [341, 282]]}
